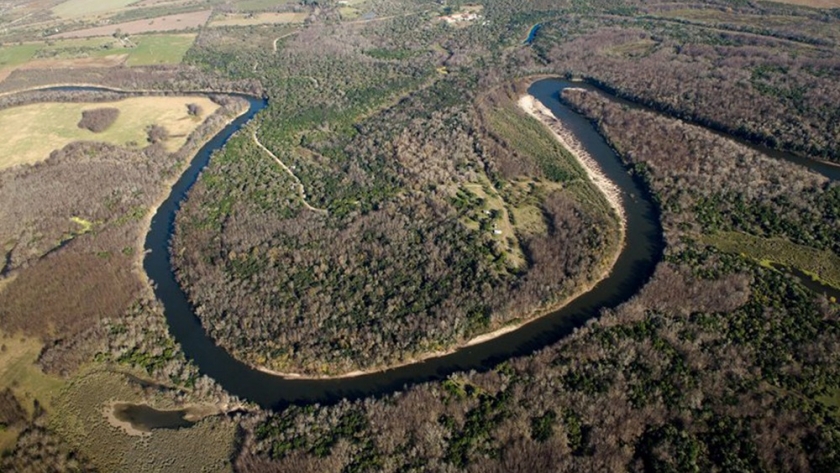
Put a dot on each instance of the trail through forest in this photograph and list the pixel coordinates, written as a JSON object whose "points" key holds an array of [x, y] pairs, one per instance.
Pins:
{"points": [[301, 188]]}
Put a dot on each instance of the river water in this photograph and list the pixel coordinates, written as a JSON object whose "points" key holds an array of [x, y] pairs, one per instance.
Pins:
{"points": [[636, 263], [633, 268]]}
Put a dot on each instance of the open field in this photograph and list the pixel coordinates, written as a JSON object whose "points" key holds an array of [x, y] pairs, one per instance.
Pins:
{"points": [[182, 21], [813, 3], [104, 51], [42, 128], [81, 8], [824, 265], [160, 49], [19, 372], [15, 55], [257, 5], [81, 418], [270, 18]]}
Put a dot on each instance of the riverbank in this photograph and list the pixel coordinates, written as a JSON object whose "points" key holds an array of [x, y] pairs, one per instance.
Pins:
{"points": [[611, 193], [166, 188], [609, 189]]}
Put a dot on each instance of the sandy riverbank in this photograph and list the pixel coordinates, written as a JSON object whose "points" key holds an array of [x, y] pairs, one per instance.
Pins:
{"points": [[613, 196], [611, 192]]}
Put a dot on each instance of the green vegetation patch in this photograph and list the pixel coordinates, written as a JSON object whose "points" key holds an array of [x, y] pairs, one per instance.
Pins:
{"points": [[80, 8], [11, 56], [530, 138], [142, 50], [160, 49], [19, 372], [822, 264]]}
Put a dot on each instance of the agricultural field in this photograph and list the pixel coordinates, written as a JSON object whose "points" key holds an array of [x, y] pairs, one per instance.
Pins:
{"points": [[178, 22], [248, 19], [81, 8], [140, 50], [261, 5], [12, 56], [55, 125]]}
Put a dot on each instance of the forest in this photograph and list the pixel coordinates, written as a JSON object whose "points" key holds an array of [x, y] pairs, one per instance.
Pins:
{"points": [[721, 362], [392, 201], [391, 269]]}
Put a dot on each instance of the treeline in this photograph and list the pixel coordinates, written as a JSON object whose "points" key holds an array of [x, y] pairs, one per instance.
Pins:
{"points": [[390, 266], [775, 92], [648, 386], [709, 183]]}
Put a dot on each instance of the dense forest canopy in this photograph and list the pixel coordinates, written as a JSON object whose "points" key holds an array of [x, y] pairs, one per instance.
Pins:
{"points": [[392, 200]]}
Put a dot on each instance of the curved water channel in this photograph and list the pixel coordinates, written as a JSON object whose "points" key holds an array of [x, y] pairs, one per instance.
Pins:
{"points": [[642, 251], [632, 269]]}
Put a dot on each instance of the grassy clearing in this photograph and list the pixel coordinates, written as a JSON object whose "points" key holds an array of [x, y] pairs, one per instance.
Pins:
{"points": [[531, 139], [258, 5], [81, 419], [159, 49], [633, 49], [823, 265], [81, 8], [19, 372], [44, 127], [349, 13], [139, 50], [832, 400], [12, 56], [178, 22], [270, 18], [484, 210], [524, 198]]}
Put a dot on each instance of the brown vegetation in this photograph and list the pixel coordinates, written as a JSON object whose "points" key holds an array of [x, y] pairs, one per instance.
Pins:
{"points": [[389, 273], [177, 22], [99, 119], [73, 245]]}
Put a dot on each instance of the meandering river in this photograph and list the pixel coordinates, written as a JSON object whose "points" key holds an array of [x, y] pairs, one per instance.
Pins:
{"points": [[635, 264]]}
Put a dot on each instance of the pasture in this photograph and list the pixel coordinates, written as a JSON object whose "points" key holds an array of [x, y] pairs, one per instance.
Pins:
{"points": [[181, 21], [82, 8], [43, 127], [269, 18], [140, 50]]}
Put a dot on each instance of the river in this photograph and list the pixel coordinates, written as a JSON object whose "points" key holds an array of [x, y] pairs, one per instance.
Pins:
{"points": [[635, 264]]}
